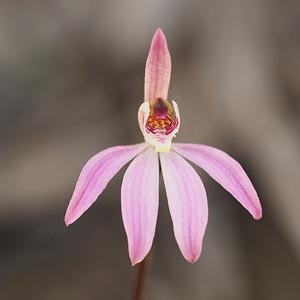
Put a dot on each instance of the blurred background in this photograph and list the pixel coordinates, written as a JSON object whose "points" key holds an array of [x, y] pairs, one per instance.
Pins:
{"points": [[71, 81]]}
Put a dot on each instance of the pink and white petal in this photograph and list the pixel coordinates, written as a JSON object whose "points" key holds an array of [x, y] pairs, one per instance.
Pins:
{"points": [[95, 175], [187, 203], [143, 114], [139, 198], [226, 171], [158, 68]]}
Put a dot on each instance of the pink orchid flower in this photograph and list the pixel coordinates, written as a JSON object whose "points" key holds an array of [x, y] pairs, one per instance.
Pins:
{"points": [[159, 122]]}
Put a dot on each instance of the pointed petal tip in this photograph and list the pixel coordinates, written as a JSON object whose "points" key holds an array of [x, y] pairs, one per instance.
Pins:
{"points": [[159, 38], [256, 209], [192, 261], [133, 263], [135, 260], [192, 258], [70, 216], [257, 215], [159, 32], [68, 220]]}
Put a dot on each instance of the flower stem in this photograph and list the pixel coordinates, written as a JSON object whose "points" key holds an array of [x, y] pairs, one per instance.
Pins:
{"points": [[140, 279]]}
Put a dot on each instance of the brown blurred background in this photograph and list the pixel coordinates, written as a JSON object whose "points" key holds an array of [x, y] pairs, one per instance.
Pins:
{"points": [[71, 81]]}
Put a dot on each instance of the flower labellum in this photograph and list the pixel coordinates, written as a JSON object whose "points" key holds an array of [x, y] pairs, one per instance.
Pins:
{"points": [[159, 122]]}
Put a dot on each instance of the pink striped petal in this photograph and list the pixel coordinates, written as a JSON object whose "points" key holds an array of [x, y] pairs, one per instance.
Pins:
{"points": [[226, 171], [139, 196], [187, 203], [95, 175], [158, 68]]}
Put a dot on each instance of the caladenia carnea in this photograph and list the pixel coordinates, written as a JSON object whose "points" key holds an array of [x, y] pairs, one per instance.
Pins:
{"points": [[159, 122]]}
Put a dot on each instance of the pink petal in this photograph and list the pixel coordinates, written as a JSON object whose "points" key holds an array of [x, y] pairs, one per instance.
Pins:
{"points": [[139, 195], [226, 171], [95, 175], [187, 203], [158, 68]]}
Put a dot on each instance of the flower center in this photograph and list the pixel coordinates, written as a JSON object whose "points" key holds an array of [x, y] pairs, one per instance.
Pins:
{"points": [[162, 119]]}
